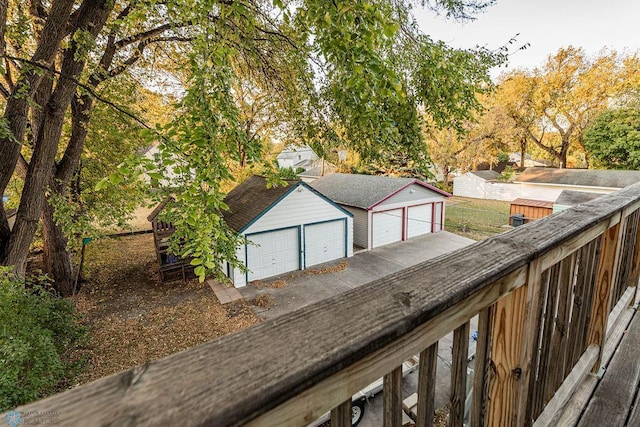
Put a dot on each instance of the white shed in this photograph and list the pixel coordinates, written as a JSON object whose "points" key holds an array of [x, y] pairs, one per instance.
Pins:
{"points": [[288, 228], [385, 209], [475, 184]]}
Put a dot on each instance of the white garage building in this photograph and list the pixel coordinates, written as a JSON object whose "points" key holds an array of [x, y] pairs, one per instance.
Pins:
{"points": [[288, 228], [385, 209]]}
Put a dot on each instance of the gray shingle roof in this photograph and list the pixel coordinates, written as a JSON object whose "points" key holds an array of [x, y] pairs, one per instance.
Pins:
{"points": [[363, 191], [583, 177], [486, 174], [250, 199], [573, 198]]}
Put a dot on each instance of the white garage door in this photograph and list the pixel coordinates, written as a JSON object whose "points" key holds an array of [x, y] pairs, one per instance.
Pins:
{"points": [[387, 227], [419, 220], [324, 242], [273, 253]]}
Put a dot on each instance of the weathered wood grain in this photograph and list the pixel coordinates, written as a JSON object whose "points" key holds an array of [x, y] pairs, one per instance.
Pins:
{"points": [[611, 402], [506, 353], [551, 287], [293, 369], [341, 415], [482, 367], [530, 343], [603, 288], [459, 375], [392, 398], [559, 341], [427, 386], [553, 411], [634, 275]]}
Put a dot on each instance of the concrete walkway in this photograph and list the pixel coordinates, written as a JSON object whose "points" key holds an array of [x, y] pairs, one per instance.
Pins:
{"points": [[304, 287]]}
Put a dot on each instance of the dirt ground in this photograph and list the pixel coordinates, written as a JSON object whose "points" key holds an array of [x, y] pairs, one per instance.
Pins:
{"points": [[133, 318]]}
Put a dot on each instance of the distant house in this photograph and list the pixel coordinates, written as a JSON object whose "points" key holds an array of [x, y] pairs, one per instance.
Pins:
{"points": [[294, 156], [483, 185], [548, 183], [569, 198], [386, 209], [288, 228]]}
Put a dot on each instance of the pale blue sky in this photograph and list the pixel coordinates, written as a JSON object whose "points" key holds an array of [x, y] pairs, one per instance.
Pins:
{"points": [[546, 24]]}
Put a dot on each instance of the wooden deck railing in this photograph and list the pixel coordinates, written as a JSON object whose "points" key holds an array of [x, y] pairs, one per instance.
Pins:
{"points": [[543, 293]]}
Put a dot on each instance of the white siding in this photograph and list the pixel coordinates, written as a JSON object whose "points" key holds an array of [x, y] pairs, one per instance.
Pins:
{"points": [[412, 195], [469, 185], [360, 226], [299, 207]]}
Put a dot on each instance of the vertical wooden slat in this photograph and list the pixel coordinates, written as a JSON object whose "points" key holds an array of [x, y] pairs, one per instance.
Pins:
{"points": [[559, 342], [602, 293], [530, 342], [341, 415], [392, 398], [573, 352], [551, 287], [635, 263], [459, 375], [506, 351], [427, 386], [590, 290], [482, 367]]}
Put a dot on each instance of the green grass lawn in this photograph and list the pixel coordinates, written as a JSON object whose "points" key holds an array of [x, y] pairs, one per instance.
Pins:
{"points": [[476, 219]]}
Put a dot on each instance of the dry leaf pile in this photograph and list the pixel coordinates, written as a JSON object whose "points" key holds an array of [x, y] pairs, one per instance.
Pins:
{"points": [[133, 318]]}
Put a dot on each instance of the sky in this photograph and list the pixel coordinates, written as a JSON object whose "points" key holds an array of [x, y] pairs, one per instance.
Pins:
{"points": [[546, 25]]}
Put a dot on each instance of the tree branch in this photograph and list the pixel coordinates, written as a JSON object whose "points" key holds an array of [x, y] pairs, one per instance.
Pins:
{"points": [[134, 38], [88, 88]]}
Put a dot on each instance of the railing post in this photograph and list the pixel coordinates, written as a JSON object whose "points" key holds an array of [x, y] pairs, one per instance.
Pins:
{"points": [[392, 398], [341, 415], [427, 386], [514, 345], [606, 273]]}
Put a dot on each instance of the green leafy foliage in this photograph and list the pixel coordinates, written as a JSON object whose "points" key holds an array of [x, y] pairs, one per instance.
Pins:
{"points": [[37, 334], [613, 141]]}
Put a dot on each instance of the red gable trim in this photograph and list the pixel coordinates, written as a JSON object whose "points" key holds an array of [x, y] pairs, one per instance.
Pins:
{"points": [[415, 181]]}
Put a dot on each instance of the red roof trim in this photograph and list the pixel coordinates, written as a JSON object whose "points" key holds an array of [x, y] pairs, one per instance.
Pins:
{"points": [[415, 181]]}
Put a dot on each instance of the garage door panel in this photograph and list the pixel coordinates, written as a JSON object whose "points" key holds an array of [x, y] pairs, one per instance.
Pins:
{"points": [[324, 242], [387, 227], [419, 220], [273, 253]]}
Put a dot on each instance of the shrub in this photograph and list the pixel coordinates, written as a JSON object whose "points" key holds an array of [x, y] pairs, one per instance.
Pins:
{"points": [[38, 333]]}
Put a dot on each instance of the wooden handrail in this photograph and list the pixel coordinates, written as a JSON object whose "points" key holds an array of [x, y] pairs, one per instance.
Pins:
{"points": [[292, 369]]}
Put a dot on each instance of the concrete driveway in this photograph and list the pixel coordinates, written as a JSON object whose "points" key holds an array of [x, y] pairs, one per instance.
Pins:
{"points": [[299, 289], [302, 288]]}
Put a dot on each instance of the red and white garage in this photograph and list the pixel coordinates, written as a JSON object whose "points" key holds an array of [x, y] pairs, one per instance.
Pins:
{"points": [[287, 228], [385, 209]]}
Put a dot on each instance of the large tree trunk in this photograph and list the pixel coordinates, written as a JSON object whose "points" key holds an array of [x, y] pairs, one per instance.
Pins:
{"points": [[56, 258], [41, 167], [16, 109]]}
